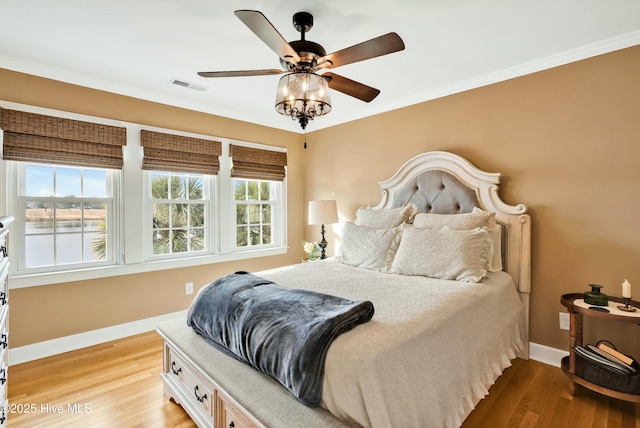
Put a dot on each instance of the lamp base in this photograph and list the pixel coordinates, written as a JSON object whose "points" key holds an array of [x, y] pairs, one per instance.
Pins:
{"points": [[323, 244]]}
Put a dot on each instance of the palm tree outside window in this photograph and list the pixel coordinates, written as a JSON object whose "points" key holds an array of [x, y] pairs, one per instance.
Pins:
{"points": [[178, 212], [254, 212]]}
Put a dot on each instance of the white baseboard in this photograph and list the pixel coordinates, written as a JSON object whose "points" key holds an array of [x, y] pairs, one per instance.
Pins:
{"points": [[541, 353], [546, 354], [89, 338]]}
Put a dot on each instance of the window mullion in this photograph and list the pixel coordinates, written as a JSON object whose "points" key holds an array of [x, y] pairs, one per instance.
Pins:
{"points": [[226, 212]]}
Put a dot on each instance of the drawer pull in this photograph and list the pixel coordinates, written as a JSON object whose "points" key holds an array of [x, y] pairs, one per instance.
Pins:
{"points": [[3, 376], [231, 424], [4, 341], [3, 298], [199, 398], [3, 250], [175, 372]]}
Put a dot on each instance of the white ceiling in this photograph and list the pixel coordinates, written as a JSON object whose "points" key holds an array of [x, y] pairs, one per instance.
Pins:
{"points": [[135, 47]]}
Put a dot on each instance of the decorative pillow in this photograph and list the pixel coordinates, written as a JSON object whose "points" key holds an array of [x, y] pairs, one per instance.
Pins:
{"points": [[476, 218], [495, 232], [385, 218], [367, 247], [463, 221], [443, 253]]}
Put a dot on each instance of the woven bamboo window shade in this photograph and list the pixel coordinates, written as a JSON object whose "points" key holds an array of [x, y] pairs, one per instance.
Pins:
{"points": [[31, 137], [175, 153], [257, 164]]}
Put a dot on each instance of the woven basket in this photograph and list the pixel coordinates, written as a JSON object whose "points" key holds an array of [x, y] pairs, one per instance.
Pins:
{"points": [[598, 375], [608, 379]]}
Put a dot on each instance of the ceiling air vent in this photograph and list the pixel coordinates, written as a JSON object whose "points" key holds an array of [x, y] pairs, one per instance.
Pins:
{"points": [[184, 83]]}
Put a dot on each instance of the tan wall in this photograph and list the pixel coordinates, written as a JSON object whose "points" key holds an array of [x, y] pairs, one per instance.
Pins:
{"points": [[567, 141], [52, 311]]}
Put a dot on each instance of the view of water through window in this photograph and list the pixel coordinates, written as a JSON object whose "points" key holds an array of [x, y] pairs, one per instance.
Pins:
{"points": [[65, 219]]}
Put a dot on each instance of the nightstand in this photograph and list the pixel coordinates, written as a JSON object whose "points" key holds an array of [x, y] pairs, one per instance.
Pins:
{"points": [[574, 368]]}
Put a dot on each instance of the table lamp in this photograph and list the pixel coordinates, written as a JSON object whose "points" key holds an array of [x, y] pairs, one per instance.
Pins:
{"points": [[323, 212]]}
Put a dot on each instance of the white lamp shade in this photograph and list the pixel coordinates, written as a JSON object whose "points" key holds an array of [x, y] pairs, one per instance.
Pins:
{"points": [[323, 212]]}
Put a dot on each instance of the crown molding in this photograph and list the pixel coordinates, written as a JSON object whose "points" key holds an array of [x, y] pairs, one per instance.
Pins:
{"points": [[584, 52]]}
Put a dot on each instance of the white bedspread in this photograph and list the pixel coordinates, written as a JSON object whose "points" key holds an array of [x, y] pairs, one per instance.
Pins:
{"points": [[430, 353]]}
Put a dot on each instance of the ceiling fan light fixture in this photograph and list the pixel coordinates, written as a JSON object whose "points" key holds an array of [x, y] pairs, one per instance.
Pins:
{"points": [[303, 96]]}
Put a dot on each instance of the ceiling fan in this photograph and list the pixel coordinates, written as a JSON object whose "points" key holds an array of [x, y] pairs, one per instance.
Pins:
{"points": [[303, 94]]}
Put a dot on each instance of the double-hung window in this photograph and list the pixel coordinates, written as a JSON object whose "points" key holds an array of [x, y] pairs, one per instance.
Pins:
{"points": [[63, 187], [258, 177], [67, 216], [255, 211], [180, 207], [180, 173]]}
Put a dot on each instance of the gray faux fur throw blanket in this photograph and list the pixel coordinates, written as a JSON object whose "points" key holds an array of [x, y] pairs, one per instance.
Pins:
{"points": [[284, 333]]}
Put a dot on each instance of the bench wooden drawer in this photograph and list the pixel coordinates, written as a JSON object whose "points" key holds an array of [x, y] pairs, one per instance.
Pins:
{"points": [[186, 377], [231, 417]]}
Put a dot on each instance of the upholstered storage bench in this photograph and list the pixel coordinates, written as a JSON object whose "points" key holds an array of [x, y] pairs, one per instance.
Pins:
{"points": [[219, 391]]}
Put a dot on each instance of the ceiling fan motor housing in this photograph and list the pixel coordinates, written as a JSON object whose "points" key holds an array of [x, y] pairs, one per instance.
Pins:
{"points": [[308, 51]]}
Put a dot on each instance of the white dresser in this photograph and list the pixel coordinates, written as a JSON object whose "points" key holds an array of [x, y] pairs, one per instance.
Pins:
{"points": [[4, 314]]}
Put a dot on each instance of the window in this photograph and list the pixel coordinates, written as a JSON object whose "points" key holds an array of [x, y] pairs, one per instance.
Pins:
{"points": [[179, 211], [255, 207], [67, 216], [95, 197]]}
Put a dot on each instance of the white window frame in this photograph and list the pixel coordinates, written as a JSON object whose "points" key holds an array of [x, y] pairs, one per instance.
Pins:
{"points": [[111, 200], [208, 187], [129, 188], [228, 208], [275, 213]]}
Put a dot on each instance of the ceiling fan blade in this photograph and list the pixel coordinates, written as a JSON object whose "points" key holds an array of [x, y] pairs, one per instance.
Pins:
{"points": [[264, 29], [379, 46], [239, 73], [351, 87]]}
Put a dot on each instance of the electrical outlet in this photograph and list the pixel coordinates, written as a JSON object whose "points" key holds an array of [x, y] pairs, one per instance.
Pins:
{"points": [[564, 321], [188, 288]]}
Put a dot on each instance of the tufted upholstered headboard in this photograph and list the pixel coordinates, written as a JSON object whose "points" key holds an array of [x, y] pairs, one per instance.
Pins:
{"points": [[445, 183], [436, 192]]}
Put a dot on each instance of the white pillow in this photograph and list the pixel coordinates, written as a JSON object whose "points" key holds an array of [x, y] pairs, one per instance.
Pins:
{"points": [[443, 253], [476, 218], [385, 218], [495, 232], [462, 221], [367, 247]]}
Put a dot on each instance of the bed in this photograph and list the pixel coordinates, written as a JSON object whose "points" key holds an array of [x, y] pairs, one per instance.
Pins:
{"points": [[433, 347]]}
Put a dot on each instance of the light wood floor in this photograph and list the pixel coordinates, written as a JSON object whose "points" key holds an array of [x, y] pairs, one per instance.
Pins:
{"points": [[117, 384]]}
